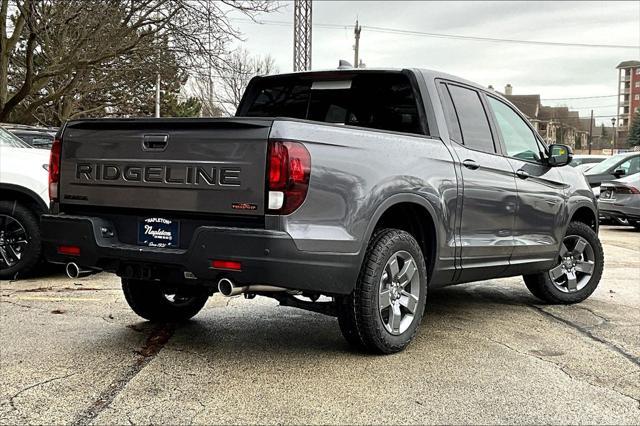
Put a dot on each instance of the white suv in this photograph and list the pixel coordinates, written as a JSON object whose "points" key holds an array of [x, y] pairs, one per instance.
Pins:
{"points": [[24, 197]]}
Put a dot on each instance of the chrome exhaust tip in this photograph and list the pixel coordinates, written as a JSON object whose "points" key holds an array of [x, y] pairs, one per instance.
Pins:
{"points": [[227, 289], [74, 271]]}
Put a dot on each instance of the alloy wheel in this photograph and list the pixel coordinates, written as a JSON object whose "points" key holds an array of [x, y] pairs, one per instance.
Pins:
{"points": [[13, 241], [577, 263], [399, 292]]}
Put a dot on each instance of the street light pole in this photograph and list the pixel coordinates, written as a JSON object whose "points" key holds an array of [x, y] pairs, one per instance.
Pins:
{"points": [[158, 96], [590, 131], [615, 134]]}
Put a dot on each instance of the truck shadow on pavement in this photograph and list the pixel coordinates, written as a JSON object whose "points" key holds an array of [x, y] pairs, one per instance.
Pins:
{"points": [[249, 330]]}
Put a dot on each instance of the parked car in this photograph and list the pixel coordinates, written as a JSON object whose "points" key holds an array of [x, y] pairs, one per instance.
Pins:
{"points": [[372, 187], [36, 137], [583, 168], [581, 160], [23, 198], [620, 200], [612, 168]]}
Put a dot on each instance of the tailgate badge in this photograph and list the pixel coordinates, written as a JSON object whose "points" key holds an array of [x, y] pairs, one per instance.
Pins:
{"points": [[244, 206]]}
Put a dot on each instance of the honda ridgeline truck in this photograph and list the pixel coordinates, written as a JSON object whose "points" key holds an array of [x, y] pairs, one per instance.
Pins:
{"points": [[371, 187]]}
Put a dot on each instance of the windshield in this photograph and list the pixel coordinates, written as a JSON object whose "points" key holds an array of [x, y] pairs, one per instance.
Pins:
{"points": [[605, 165], [10, 141]]}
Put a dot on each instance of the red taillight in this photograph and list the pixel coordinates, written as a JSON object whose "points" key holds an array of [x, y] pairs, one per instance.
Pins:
{"points": [[69, 250], [226, 264], [626, 190], [54, 170], [288, 176]]}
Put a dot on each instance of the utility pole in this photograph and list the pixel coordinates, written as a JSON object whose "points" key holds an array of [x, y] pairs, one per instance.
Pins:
{"points": [[158, 96], [356, 47], [615, 135], [302, 35], [590, 130]]}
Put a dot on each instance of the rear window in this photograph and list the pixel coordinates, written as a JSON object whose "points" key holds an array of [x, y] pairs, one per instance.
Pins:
{"points": [[378, 101]]}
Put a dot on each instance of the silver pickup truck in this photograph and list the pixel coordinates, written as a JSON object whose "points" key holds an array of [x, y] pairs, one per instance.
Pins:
{"points": [[371, 187]]}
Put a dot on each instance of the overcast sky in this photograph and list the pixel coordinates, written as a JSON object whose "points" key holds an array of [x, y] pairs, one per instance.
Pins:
{"points": [[552, 71]]}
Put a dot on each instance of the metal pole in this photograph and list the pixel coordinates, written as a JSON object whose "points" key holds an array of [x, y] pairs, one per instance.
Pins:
{"points": [[158, 96], [590, 130], [356, 47]]}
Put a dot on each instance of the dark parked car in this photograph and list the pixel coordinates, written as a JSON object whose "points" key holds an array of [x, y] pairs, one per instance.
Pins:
{"points": [[372, 187], [614, 167], [37, 137], [620, 200], [579, 160]]}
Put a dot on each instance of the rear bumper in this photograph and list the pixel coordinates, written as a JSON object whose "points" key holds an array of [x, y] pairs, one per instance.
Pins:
{"points": [[267, 257], [609, 214]]}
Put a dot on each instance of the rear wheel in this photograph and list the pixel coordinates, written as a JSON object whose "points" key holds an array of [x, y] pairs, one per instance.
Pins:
{"points": [[578, 271], [385, 310], [157, 302], [20, 245]]}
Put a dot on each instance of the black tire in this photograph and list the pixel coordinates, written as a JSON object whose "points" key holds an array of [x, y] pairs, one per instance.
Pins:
{"points": [[359, 316], [148, 299], [636, 224], [542, 286], [30, 256]]}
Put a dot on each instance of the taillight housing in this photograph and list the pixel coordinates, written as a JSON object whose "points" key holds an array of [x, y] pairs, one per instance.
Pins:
{"points": [[288, 173], [623, 189], [54, 170]]}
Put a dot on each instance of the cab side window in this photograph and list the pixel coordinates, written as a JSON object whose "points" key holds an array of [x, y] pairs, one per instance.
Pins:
{"points": [[518, 137]]}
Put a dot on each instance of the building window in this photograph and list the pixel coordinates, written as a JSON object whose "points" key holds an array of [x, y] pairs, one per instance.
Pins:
{"points": [[636, 97], [637, 84], [637, 71]]}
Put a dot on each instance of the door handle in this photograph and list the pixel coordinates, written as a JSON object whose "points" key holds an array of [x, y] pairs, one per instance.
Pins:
{"points": [[522, 174], [155, 142], [470, 164]]}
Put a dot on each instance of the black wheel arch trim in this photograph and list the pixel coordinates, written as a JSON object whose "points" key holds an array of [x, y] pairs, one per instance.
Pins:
{"points": [[42, 207], [389, 203], [580, 205]]}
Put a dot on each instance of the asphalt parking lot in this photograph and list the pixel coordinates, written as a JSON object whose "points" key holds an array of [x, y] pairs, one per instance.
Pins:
{"points": [[71, 351]]}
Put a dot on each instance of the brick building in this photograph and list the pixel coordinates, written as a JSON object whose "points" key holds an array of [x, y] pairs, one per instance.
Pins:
{"points": [[628, 97]]}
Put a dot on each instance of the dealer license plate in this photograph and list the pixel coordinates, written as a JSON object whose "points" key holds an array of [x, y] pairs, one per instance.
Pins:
{"points": [[158, 232]]}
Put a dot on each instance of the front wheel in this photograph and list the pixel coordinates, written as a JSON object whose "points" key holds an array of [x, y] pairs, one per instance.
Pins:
{"points": [[384, 311], [578, 271], [156, 302]]}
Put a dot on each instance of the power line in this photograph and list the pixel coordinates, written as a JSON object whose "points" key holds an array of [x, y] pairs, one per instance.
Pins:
{"points": [[579, 97], [499, 40], [448, 36]]}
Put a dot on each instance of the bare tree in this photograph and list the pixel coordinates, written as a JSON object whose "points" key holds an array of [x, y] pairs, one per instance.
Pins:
{"points": [[233, 78], [203, 89], [51, 49]]}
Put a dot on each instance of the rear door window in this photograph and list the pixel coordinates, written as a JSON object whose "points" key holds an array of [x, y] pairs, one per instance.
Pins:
{"points": [[474, 125]]}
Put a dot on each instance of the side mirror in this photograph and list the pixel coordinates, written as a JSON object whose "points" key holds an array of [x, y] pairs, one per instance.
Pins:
{"points": [[619, 172], [560, 155]]}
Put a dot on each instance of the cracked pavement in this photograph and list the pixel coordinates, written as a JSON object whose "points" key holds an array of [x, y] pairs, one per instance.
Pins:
{"points": [[71, 351]]}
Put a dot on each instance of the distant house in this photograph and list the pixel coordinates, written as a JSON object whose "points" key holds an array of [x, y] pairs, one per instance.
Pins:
{"points": [[554, 124]]}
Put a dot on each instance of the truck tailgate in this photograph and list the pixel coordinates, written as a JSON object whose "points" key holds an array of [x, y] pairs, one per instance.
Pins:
{"points": [[196, 165]]}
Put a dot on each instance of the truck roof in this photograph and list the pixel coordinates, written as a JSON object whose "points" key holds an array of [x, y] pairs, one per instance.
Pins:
{"points": [[427, 74]]}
